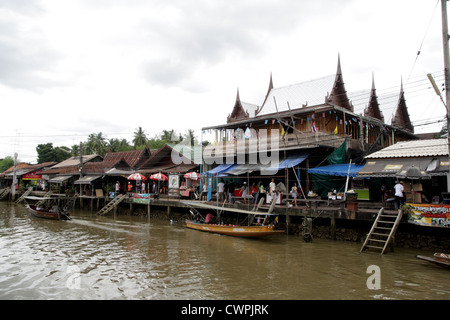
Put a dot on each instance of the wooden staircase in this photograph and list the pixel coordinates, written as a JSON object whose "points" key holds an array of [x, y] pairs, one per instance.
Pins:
{"points": [[71, 201], [45, 199], [4, 193], [25, 194], [383, 231], [112, 204]]}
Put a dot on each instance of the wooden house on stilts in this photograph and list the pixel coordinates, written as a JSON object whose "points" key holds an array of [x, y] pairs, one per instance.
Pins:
{"points": [[298, 126]]}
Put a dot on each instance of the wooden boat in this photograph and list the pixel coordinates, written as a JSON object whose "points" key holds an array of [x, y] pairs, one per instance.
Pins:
{"points": [[47, 214], [233, 230], [441, 259], [250, 231]]}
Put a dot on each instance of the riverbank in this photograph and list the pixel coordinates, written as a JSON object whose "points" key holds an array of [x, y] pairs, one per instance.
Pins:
{"points": [[328, 222], [407, 235]]}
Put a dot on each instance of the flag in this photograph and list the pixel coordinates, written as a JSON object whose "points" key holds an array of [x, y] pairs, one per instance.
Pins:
{"points": [[335, 130], [282, 131], [314, 128]]}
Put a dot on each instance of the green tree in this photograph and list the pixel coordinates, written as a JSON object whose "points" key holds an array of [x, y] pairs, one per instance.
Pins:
{"points": [[170, 136], [46, 153], [116, 145], [140, 138], [190, 138], [6, 163], [96, 144]]}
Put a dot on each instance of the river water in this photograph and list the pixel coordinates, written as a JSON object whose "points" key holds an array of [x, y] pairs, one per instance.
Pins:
{"points": [[123, 257]]}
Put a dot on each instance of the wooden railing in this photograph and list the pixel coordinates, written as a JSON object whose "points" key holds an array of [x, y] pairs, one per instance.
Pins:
{"points": [[302, 140]]}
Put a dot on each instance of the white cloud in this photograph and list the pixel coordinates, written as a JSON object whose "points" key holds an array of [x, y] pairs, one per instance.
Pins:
{"points": [[71, 68]]}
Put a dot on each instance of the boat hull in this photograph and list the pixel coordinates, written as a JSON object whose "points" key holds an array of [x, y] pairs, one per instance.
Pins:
{"points": [[440, 259], [45, 214], [236, 231]]}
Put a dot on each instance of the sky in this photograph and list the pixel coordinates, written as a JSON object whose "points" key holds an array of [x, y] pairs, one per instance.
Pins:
{"points": [[75, 67]]}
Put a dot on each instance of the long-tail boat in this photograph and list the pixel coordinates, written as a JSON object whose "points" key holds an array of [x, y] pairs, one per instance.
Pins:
{"points": [[257, 228], [52, 214], [441, 259]]}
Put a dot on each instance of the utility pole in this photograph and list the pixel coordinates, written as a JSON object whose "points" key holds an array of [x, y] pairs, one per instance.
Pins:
{"points": [[445, 39], [13, 185]]}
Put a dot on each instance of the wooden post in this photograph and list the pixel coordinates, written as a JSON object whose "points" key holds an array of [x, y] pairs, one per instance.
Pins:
{"points": [[333, 228]]}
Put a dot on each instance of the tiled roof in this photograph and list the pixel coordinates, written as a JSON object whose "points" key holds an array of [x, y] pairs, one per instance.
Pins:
{"points": [[135, 158], [416, 148]]}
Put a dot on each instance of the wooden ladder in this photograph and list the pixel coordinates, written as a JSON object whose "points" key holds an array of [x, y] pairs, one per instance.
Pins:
{"points": [[5, 192], [25, 194], [383, 231], [45, 201], [112, 204], [71, 201]]}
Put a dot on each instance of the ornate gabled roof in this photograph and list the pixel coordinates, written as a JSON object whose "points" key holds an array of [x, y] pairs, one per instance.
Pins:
{"points": [[373, 108], [338, 95], [401, 117], [329, 89], [242, 110], [309, 93]]}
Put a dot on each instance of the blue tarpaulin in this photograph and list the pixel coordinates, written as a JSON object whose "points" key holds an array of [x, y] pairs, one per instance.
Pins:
{"points": [[290, 162], [337, 170], [237, 169], [220, 168]]}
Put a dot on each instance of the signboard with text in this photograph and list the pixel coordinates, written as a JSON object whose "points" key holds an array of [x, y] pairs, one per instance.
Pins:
{"points": [[143, 198], [433, 215]]}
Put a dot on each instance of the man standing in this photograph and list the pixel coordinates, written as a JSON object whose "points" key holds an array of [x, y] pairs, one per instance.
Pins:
{"points": [[272, 188], [220, 189], [117, 188], [399, 199]]}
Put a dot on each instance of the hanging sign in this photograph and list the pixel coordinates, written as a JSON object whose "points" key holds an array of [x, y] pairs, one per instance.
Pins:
{"points": [[31, 176], [433, 215]]}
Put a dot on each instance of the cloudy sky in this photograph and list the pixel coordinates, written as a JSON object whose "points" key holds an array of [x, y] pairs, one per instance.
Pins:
{"points": [[74, 67]]}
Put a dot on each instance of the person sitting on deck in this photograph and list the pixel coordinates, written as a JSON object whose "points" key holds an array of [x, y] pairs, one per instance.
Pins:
{"points": [[209, 218]]}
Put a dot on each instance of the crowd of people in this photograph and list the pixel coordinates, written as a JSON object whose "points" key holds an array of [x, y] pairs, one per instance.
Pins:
{"points": [[226, 191]]}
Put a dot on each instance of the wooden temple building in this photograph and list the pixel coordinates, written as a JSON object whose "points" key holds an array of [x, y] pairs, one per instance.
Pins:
{"points": [[312, 119]]}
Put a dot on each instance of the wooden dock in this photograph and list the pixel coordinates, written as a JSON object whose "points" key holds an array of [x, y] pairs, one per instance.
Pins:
{"points": [[366, 211]]}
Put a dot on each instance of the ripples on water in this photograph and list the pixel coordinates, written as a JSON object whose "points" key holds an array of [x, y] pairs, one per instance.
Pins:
{"points": [[95, 257]]}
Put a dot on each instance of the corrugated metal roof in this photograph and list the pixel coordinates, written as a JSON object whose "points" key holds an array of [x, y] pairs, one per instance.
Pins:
{"points": [[311, 93], [73, 161], [416, 148]]}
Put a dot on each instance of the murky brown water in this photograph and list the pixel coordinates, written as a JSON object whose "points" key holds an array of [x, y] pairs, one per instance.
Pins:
{"points": [[94, 257]]}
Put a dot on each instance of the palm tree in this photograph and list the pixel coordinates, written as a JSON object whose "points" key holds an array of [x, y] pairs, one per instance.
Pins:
{"points": [[116, 145], [190, 138], [140, 138], [97, 143]]}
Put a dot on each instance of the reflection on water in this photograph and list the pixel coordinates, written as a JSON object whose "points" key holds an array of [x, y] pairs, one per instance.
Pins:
{"points": [[92, 257]]}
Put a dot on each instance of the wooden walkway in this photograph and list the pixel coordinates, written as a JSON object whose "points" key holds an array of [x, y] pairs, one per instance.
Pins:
{"points": [[313, 209]]}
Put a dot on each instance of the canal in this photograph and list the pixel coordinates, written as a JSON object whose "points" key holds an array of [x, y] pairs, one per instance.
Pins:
{"points": [[124, 257]]}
